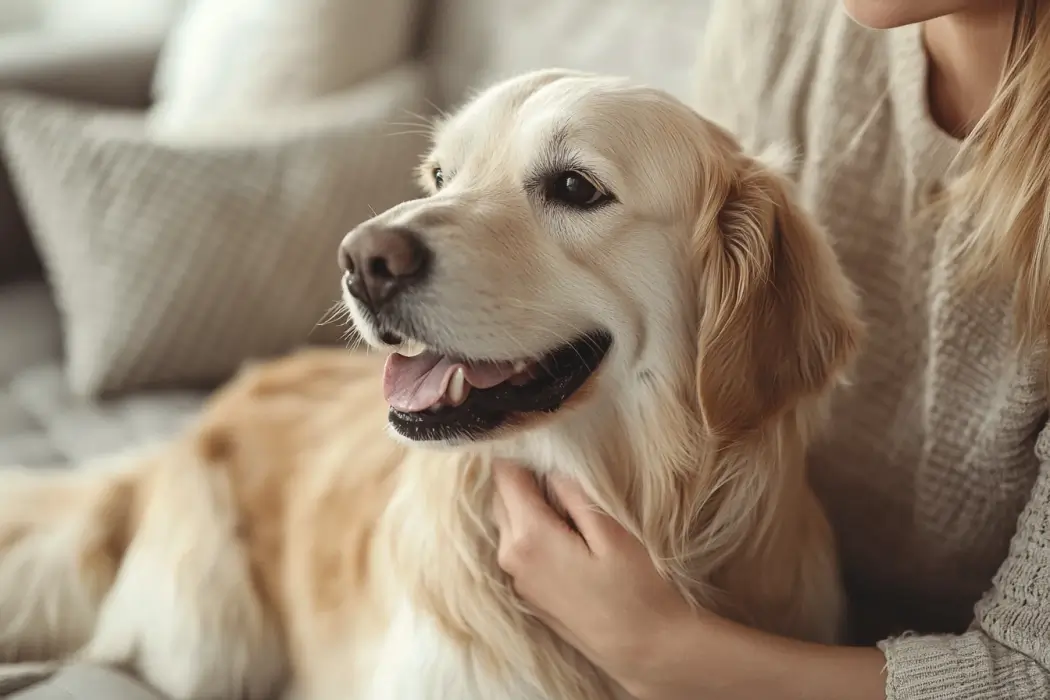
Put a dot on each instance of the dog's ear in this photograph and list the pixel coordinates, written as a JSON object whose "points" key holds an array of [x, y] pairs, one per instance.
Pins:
{"points": [[778, 318]]}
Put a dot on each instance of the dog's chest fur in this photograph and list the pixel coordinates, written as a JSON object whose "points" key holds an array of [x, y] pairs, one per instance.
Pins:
{"points": [[416, 661]]}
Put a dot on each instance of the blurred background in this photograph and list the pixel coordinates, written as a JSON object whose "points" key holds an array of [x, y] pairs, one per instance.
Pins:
{"points": [[175, 176]]}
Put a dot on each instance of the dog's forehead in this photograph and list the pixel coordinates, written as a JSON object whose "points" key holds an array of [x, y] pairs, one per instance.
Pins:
{"points": [[546, 91], [565, 104]]}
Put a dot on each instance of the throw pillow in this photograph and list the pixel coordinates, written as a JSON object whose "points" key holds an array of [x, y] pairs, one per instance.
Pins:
{"points": [[239, 57], [173, 263], [103, 18]]}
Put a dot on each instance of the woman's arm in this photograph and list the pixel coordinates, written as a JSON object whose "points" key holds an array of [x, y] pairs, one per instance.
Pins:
{"points": [[598, 589], [742, 663], [1006, 653], [1004, 656]]}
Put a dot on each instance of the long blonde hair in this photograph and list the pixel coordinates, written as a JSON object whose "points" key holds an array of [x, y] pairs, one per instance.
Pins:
{"points": [[1005, 186]]}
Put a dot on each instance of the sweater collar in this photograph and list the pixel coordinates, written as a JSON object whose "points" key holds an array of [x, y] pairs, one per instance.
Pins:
{"points": [[929, 150]]}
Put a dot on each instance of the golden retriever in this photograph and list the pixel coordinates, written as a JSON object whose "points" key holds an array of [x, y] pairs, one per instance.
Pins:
{"points": [[597, 281]]}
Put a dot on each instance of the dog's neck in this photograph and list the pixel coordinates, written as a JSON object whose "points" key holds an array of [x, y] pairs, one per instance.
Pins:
{"points": [[694, 504]]}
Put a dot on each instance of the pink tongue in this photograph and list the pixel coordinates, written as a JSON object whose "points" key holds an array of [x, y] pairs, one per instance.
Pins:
{"points": [[413, 384]]}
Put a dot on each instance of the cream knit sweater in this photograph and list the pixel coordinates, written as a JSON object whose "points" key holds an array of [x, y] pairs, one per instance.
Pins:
{"points": [[935, 472]]}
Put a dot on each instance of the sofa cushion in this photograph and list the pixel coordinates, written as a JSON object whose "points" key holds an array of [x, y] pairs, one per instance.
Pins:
{"points": [[228, 58], [173, 263], [110, 70], [83, 681], [43, 424], [19, 676], [108, 18], [474, 42], [30, 328], [18, 258]]}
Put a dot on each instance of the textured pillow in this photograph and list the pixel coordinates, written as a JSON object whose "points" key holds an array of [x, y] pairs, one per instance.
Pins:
{"points": [[239, 57], [174, 263]]}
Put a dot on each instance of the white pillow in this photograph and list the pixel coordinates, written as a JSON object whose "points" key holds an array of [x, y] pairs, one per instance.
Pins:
{"points": [[107, 17], [228, 58]]}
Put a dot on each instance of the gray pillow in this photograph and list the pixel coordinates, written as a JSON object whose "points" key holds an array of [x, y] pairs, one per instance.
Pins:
{"points": [[173, 263]]}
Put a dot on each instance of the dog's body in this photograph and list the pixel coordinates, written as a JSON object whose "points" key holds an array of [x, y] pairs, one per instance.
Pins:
{"points": [[288, 541]]}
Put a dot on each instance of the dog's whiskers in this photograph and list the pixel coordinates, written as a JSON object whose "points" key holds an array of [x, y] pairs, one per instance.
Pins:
{"points": [[337, 313]]}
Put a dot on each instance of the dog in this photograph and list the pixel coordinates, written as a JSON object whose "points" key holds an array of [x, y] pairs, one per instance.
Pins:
{"points": [[597, 282]]}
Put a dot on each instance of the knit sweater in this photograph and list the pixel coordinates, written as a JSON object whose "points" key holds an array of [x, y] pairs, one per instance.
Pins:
{"points": [[935, 469]]}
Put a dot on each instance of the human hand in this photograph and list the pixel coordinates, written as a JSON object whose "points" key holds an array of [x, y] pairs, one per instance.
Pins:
{"points": [[596, 587]]}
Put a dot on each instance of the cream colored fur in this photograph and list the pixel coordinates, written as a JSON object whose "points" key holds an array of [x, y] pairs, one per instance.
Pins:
{"points": [[287, 543]]}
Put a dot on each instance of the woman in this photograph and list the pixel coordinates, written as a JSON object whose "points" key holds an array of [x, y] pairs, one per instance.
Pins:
{"points": [[924, 134]]}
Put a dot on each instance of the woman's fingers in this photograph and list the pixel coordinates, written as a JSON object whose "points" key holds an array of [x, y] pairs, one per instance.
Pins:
{"points": [[519, 494], [531, 534], [593, 523], [499, 512], [522, 506]]}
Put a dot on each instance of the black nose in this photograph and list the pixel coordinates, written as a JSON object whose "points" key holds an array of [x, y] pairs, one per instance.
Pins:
{"points": [[383, 262]]}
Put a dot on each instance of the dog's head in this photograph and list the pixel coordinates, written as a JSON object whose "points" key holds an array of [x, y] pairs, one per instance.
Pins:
{"points": [[583, 238]]}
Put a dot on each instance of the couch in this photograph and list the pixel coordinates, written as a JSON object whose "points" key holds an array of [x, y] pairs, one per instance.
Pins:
{"points": [[41, 423], [460, 44]]}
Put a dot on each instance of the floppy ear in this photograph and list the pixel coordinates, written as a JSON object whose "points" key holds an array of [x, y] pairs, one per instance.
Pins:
{"points": [[778, 318]]}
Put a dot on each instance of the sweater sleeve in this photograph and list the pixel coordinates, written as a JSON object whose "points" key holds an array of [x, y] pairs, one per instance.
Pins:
{"points": [[1006, 653]]}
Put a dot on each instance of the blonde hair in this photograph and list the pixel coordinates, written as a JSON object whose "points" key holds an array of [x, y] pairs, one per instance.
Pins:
{"points": [[1005, 186]]}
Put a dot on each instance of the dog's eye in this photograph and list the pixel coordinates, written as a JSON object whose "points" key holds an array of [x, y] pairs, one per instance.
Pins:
{"points": [[572, 188], [439, 178]]}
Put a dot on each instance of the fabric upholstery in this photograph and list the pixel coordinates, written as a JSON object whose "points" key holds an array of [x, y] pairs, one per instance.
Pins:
{"points": [[41, 422], [174, 263], [86, 681], [474, 42], [112, 71], [239, 57]]}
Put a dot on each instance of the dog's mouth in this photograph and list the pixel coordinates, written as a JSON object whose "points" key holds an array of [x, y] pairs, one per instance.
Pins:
{"points": [[433, 396]]}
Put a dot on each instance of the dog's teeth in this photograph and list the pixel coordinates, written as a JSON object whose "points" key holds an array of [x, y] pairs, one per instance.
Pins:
{"points": [[457, 388], [411, 348], [520, 366]]}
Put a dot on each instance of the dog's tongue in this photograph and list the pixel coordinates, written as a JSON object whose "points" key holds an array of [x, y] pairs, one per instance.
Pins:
{"points": [[413, 384]]}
